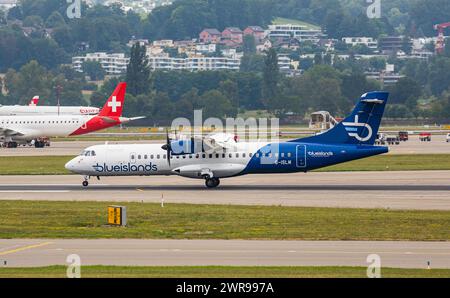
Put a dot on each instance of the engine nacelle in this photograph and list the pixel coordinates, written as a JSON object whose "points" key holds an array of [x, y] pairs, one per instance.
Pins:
{"points": [[215, 170]]}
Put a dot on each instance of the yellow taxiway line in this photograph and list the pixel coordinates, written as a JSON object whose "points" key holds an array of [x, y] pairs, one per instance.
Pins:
{"points": [[2, 253]]}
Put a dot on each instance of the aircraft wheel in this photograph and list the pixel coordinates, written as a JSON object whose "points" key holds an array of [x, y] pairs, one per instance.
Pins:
{"points": [[212, 182], [85, 183], [12, 145]]}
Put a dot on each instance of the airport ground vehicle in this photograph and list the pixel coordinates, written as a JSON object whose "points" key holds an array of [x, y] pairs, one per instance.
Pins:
{"points": [[381, 139], [392, 140], [403, 136], [425, 137], [448, 137]]}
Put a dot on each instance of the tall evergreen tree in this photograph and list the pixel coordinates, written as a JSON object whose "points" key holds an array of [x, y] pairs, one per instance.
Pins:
{"points": [[271, 79], [138, 71]]}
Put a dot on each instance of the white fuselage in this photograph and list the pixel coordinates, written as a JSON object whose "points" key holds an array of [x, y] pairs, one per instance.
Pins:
{"points": [[151, 159], [47, 110], [36, 126]]}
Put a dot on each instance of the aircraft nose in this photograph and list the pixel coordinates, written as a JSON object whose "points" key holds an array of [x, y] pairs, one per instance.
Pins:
{"points": [[70, 165]]}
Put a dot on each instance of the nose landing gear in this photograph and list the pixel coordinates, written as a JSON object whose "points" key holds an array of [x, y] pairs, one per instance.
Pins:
{"points": [[86, 181], [212, 182]]}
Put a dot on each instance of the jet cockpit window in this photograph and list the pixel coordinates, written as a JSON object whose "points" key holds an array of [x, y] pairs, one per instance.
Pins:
{"points": [[93, 153]]}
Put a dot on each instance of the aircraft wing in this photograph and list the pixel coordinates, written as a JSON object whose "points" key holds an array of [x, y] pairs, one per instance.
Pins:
{"points": [[220, 142], [7, 132]]}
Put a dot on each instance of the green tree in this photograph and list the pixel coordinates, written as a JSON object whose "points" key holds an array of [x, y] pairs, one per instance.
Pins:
{"points": [[271, 79], [252, 63], [33, 21], [405, 91], [55, 20], [215, 104], [94, 70], [32, 79], [249, 45], [439, 75], [230, 90], [138, 71]]}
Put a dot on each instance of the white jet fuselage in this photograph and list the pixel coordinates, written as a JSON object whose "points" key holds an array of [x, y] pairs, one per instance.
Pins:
{"points": [[47, 110], [31, 127]]}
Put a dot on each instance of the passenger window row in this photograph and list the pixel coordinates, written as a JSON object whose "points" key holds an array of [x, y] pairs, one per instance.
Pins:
{"points": [[38, 122], [210, 156]]}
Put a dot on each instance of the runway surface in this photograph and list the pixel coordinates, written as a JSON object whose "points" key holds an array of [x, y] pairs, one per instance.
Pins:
{"points": [[414, 146], [422, 190], [41, 252]]}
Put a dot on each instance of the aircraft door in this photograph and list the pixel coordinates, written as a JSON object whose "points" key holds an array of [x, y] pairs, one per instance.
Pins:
{"points": [[301, 156]]}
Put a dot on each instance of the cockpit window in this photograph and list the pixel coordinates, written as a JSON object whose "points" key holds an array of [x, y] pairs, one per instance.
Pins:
{"points": [[88, 153]]}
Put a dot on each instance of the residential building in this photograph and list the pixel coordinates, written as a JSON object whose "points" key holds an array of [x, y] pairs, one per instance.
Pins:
{"points": [[232, 36], [393, 44], [165, 43], [265, 46], [152, 51], [141, 42], [210, 36], [284, 63], [387, 77], [206, 48], [288, 31], [369, 42], [7, 4], [194, 63], [113, 64], [257, 32], [421, 54]]}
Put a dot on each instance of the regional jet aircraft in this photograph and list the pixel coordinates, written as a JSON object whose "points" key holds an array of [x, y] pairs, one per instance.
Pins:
{"points": [[23, 129], [222, 156], [33, 109]]}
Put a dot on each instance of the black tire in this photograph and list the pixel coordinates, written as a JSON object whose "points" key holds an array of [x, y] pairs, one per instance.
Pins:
{"points": [[212, 182], [85, 183]]}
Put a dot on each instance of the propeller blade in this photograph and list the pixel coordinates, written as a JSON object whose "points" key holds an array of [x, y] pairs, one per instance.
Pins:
{"points": [[168, 147]]}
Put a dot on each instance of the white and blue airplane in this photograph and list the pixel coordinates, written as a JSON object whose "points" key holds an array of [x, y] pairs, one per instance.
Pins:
{"points": [[221, 156]]}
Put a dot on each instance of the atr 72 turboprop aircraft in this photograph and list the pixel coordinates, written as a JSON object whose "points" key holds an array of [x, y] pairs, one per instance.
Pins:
{"points": [[14, 129], [34, 109], [351, 139]]}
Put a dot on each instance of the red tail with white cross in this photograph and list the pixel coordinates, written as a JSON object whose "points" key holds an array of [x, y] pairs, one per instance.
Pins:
{"points": [[114, 105]]}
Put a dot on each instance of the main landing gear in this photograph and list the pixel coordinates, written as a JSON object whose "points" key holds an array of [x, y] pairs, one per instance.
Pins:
{"points": [[212, 182], [11, 145]]}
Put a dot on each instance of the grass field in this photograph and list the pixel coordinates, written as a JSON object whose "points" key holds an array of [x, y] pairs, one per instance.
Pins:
{"points": [[54, 165], [86, 220], [219, 272]]}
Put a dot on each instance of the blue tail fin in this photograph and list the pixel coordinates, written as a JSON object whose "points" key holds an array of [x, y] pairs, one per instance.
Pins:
{"points": [[361, 127]]}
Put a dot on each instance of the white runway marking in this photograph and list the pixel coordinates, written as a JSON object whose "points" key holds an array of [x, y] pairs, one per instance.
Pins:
{"points": [[34, 191]]}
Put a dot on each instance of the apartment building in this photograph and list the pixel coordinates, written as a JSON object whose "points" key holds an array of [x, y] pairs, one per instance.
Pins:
{"points": [[288, 31], [194, 63], [113, 64]]}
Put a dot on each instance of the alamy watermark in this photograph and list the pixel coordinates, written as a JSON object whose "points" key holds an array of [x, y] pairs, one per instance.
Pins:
{"points": [[374, 9], [214, 136], [74, 268], [374, 268], [74, 9]]}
